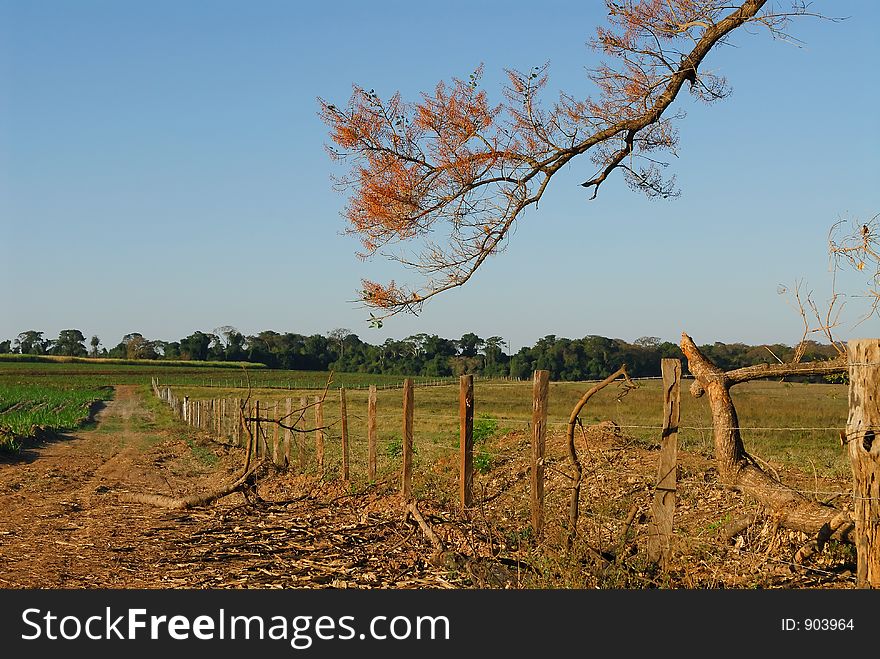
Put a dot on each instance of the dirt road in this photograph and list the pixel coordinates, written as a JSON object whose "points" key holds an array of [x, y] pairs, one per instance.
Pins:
{"points": [[65, 523]]}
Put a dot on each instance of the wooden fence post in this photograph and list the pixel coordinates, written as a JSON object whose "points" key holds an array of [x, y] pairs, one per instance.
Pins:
{"points": [[540, 394], [861, 433], [319, 435], [344, 413], [301, 438], [236, 428], [663, 506], [466, 440], [406, 484], [371, 434], [258, 443], [288, 434], [277, 456]]}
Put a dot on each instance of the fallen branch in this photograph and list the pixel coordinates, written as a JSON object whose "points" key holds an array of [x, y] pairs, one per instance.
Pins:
{"points": [[736, 526], [432, 537], [740, 470], [194, 500]]}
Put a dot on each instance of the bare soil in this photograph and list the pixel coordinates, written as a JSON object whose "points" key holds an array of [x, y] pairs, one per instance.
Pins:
{"points": [[65, 522]]}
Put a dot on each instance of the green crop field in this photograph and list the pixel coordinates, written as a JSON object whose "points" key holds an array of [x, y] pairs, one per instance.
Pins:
{"points": [[25, 408], [97, 373]]}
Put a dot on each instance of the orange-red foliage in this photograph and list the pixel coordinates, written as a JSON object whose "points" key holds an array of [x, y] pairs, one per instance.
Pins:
{"points": [[454, 164]]}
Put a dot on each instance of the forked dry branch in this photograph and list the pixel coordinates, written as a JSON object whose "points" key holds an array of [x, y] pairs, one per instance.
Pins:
{"points": [[573, 421], [741, 471]]}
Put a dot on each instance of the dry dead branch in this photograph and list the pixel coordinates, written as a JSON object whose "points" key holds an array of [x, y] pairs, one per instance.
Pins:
{"points": [[741, 471], [574, 420]]}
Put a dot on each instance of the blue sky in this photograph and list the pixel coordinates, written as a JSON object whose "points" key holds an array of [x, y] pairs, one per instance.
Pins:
{"points": [[162, 170]]}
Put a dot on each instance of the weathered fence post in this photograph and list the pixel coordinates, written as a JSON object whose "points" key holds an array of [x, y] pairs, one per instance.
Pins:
{"points": [[344, 413], [258, 443], [236, 428], [406, 479], [288, 433], [862, 428], [301, 438], [319, 435], [540, 394], [277, 455], [371, 434], [663, 506], [466, 440]]}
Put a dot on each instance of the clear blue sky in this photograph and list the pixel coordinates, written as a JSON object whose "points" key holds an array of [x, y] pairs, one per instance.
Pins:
{"points": [[162, 170]]}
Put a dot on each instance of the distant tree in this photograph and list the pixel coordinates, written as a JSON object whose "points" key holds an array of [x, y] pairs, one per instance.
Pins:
{"points": [[522, 364], [264, 348], [134, 346], [495, 360], [470, 344], [233, 343], [195, 346], [71, 343], [5, 347], [94, 342], [171, 350], [216, 348], [31, 342], [648, 341], [138, 347], [338, 337]]}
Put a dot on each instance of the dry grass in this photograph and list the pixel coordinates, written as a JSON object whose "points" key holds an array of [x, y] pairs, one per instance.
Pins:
{"points": [[760, 405]]}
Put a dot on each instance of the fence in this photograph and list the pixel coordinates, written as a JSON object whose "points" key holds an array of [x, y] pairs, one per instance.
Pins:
{"points": [[264, 380], [274, 433], [282, 435], [296, 437]]}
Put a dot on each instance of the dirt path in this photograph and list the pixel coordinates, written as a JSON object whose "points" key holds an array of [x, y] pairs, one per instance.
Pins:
{"points": [[64, 525], [65, 521]]}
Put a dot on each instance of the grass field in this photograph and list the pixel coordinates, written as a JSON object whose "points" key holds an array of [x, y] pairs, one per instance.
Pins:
{"points": [[25, 408], [786, 424], [790, 424]]}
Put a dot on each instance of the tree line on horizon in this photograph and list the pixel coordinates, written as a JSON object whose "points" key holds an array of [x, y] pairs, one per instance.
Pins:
{"points": [[587, 358]]}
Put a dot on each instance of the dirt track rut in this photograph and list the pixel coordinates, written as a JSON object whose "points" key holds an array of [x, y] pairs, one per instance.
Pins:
{"points": [[64, 524]]}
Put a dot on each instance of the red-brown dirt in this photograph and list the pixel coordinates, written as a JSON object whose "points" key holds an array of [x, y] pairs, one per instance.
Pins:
{"points": [[66, 523]]}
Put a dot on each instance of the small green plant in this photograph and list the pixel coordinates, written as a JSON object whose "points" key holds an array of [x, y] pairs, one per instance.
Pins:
{"points": [[714, 526], [394, 447], [513, 538], [484, 427], [201, 454], [483, 462], [8, 442]]}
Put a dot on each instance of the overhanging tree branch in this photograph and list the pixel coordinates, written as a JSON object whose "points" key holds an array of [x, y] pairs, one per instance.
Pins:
{"points": [[456, 169]]}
